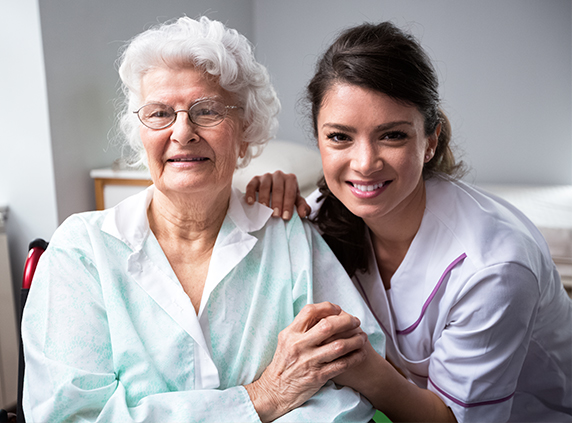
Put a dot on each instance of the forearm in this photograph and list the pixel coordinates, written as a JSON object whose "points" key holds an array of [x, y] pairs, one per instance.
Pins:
{"points": [[402, 400], [110, 402], [391, 393]]}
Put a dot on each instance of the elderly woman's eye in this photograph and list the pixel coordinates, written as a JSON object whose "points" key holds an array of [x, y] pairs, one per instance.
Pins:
{"points": [[160, 114], [206, 111]]}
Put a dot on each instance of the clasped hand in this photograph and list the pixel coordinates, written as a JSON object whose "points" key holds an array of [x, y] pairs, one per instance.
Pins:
{"points": [[322, 342]]}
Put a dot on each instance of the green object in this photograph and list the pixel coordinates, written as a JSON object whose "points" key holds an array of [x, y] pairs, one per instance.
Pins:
{"points": [[379, 417]]}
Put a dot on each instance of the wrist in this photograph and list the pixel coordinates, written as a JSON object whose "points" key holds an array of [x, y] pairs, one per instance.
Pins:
{"points": [[264, 401], [367, 377]]}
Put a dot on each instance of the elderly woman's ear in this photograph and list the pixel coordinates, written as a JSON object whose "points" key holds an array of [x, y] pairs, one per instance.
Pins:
{"points": [[243, 148]]}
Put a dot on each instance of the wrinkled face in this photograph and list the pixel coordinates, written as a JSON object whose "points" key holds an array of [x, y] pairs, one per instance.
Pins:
{"points": [[185, 158], [373, 150]]}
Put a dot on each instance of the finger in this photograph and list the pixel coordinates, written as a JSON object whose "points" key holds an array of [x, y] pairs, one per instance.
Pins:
{"points": [[265, 189], [332, 325], [298, 357], [352, 360], [312, 314], [341, 349], [290, 196], [278, 185], [251, 189], [322, 372], [302, 206], [343, 335]]}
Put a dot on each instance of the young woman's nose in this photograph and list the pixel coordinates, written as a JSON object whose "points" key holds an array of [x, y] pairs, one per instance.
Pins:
{"points": [[183, 130], [366, 158]]}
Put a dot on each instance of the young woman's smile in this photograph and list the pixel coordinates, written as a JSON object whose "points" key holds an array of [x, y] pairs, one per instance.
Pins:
{"points": [[367, 189], [373, 149]]}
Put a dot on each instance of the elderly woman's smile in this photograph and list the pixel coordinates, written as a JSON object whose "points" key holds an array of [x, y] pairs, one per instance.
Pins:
{"points": [[185, 157]]}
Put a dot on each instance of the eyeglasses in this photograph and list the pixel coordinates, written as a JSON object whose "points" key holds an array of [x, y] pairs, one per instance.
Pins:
{"points": [[204, 113]]}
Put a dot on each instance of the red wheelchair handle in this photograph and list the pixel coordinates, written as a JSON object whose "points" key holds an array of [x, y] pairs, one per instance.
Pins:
{"points": [[36, 249]]}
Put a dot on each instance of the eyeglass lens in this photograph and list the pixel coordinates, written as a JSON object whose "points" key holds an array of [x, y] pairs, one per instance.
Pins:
{"points": [[204, 113]]}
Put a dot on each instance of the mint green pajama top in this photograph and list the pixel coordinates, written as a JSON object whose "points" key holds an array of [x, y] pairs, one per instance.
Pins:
{"points": [[110, 336]]}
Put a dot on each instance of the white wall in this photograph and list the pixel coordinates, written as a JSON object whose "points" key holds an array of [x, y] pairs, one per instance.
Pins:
{"points": [[59, 55], [505, 69], [81, 43], [26, 167]]}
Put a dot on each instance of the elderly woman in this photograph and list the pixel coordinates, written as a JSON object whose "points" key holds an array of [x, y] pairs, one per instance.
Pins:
{"points": [[168, 307]]}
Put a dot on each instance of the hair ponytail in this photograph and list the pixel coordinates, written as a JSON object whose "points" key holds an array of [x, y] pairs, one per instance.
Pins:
{"points": [[342, 230], [443, 162]]}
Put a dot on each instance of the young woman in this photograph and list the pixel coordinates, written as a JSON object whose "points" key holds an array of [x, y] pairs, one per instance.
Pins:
{"points": [[461, 282]]}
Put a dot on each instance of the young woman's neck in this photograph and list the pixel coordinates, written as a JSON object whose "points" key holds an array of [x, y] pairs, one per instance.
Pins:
{"points": [[393, 234]]}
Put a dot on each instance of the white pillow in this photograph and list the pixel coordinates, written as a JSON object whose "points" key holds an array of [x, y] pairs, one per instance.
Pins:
{"points": [[287, 156]]}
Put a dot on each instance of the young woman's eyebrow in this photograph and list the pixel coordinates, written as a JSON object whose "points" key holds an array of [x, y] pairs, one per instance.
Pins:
{"points": [[351, 129], [339, 127], [391, 125]]}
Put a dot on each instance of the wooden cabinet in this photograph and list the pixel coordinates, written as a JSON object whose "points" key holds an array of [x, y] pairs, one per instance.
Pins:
{"points": [[113, 186]]}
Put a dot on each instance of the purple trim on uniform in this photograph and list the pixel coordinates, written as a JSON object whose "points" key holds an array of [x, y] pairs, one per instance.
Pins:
{"points": [[426, 305], [363, 294], [472, 404]]}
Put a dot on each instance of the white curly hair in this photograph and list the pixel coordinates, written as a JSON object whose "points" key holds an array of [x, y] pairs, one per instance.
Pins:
{"points": [[210, 46]]}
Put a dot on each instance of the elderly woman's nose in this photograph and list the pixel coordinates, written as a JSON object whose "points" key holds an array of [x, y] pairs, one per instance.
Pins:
{"points": [[183, 129]]}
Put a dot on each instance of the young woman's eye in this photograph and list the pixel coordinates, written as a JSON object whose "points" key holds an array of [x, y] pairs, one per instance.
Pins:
{"points": [[394, 135], [337, 136]]}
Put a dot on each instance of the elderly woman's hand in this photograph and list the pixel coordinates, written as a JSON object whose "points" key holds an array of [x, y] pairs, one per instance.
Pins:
{"points": [[322, 342], [282, 189]]}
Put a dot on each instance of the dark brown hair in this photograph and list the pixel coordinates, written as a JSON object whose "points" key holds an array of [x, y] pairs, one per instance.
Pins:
{"points": [[382, 58]]}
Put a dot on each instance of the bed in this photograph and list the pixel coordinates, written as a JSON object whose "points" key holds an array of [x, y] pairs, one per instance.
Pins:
{"points": [[289, 157], [549, 207]]}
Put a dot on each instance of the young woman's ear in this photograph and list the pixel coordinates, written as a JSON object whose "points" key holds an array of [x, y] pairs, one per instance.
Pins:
{"points": [[432, 141]]}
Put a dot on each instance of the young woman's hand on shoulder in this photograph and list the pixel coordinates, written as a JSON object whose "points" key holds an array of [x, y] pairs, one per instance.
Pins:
{"points": [[279, 191]]}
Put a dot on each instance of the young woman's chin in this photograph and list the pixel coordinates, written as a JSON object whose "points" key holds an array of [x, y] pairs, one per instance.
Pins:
{"points": [[363, 208]]}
